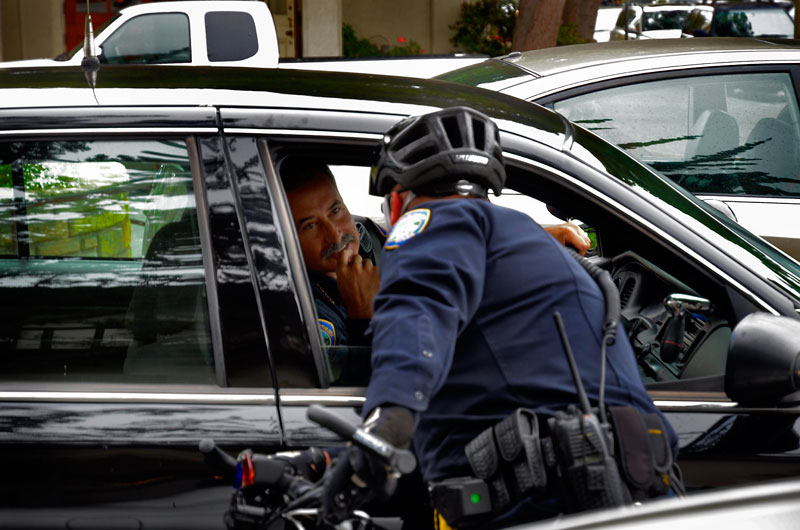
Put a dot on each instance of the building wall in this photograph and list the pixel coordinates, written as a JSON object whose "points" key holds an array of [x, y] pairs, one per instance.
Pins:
{"points": [[31, 29], [322, 28], [384, 21]]}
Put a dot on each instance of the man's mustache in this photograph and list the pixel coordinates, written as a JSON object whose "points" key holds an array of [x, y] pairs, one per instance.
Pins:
{"points": [[333, 248]]}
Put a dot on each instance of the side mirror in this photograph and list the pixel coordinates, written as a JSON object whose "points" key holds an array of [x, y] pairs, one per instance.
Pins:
{"points": [[763, 365], [555, 212]]}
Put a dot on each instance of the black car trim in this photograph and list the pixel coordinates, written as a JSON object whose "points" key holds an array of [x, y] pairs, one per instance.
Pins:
{"points": [[668, 405], [650, 226], [105, 118], [296, 132], [295, 260], [248, 251], [88, 396], [357, 398], [212, 300], [110, 130]]}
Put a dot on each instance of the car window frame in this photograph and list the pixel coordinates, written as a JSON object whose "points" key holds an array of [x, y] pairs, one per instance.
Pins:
{"points": [[184, 125]]}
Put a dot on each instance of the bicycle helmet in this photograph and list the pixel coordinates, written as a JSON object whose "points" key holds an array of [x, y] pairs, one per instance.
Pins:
{"points": [[449, 151]]}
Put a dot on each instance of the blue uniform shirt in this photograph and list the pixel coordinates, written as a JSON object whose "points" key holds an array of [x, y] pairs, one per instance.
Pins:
{"points": [[463, 331]]}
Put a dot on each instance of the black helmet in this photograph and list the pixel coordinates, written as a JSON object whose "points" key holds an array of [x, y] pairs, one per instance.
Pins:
{"points": [[439, 153]]}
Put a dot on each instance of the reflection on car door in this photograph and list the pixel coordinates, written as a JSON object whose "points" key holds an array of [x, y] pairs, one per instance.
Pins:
{"points": [[113, 362]]}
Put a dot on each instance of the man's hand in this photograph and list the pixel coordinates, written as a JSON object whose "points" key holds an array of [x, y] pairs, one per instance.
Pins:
{"points": [[570, 234], [358, 282]]}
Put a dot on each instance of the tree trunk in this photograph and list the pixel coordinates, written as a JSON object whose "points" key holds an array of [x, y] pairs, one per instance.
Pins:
{"points": [[583, 14], [796, 21], [537, 24]]}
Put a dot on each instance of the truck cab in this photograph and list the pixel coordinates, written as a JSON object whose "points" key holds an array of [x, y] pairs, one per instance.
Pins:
{"points": [[201, 33]]}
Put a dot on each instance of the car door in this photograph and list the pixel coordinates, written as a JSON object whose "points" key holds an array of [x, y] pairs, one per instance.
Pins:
{"points": [[657, 252], [726, 134], [645, 241], [130, 329]]}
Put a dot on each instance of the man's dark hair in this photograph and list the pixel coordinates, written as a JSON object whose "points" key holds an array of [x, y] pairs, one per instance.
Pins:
{"points": [[295, 171]]}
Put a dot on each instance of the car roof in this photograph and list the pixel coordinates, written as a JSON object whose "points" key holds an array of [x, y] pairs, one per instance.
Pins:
{"points": [[564, 58], [147, 85], [536, 74]]}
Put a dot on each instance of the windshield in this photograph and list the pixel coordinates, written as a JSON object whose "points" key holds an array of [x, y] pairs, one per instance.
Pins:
{"points": [[753, 23], [722, 232], [655, 20], [491, 74]]}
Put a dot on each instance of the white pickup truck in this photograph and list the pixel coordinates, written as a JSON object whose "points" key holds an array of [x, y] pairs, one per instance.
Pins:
{"points": [[224, 33]]}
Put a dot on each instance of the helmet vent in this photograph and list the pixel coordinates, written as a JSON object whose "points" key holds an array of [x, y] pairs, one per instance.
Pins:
{"points": [[420, 130], [419, 154], [479, 133], [450, 125]]}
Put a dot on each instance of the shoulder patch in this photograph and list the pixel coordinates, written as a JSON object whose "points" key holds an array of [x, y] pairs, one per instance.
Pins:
{"points": [[409, 225], [328, 332]]}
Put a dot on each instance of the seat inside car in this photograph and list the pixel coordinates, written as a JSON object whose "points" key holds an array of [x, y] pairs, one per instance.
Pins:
{"points": [[168, 314], [714, 131], [772, 158]]}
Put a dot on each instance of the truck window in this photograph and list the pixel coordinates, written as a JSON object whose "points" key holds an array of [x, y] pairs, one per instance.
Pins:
{"points": [[150, 39], [230, 36]]}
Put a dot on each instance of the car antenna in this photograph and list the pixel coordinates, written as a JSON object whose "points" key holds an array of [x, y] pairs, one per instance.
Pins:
{"points": [[90, 64]]}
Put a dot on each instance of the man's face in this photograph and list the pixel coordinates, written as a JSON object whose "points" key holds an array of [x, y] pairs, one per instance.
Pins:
{"points": [[323, 223]]}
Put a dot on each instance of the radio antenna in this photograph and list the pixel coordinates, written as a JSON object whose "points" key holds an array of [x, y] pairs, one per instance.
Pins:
{"points": [[90, 64]]}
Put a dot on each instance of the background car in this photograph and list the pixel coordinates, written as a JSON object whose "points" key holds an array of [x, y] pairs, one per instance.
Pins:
{"points": [[651, 21], [154, 294], [718, 116], [740, 19], [605, 22]]}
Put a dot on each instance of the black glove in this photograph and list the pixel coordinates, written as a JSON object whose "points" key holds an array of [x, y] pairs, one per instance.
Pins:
{"points": [[358, 475], [309, 464]]}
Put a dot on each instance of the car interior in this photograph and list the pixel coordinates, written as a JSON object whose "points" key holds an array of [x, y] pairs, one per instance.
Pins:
{"points": [[101, 270], [664, 295]]}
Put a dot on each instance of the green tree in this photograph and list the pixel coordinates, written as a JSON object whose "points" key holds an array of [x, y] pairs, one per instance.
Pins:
{"points": [[485, 27]]}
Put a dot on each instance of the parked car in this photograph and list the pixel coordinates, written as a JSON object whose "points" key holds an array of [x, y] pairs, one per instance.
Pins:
{"points": [[605, 21], [740, 19], [718, 116], [651, 21], [768, 505], [153, 290]]}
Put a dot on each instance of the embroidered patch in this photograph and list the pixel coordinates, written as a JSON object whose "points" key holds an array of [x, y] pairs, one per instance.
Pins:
{"points": [[328, 333], [408, 226]]}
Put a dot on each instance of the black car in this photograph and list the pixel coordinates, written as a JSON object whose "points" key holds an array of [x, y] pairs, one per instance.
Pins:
{"points": [[154, 294]]}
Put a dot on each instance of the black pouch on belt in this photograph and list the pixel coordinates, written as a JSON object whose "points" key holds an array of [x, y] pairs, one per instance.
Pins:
{"points": [[508, 457]]}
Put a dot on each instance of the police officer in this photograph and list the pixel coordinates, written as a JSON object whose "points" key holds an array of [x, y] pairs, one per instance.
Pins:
{"points": [[463, 330]]}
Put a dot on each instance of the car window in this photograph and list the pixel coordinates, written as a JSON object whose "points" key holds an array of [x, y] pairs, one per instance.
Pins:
{"points": [[150, 39], [753, 23], [738, 134], [664, 19], [230, 36], [101, 269]]}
